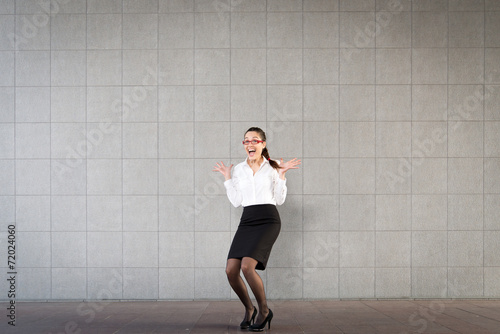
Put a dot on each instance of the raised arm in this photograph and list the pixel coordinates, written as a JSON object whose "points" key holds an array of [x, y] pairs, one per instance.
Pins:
{"points": [[230, 184], [285, 166], [280, 189], [223, 169]]}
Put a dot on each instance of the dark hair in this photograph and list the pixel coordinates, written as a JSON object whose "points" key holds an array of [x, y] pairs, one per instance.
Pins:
{"points": [[265, 152]]}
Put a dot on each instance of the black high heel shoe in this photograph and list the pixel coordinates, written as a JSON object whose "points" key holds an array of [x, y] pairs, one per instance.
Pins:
{"points": [[260, 328], [245, 324]]}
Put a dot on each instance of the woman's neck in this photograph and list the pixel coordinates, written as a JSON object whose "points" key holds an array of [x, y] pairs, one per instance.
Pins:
{"points": [[258, 161]]}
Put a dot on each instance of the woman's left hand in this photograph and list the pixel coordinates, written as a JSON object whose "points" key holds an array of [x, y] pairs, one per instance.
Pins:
{"points": [[285, 166]]}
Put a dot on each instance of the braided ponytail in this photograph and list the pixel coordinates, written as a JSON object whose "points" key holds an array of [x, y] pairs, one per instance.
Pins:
{"points": [[265, 152]]}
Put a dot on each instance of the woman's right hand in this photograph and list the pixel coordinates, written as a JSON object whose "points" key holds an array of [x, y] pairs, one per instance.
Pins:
{"points": [[223, 169]]}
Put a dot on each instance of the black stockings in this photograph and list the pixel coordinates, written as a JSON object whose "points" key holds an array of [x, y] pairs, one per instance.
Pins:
{"points": [[247, 265]]}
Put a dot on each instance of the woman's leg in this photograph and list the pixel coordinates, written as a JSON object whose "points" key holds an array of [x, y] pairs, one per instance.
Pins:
{"points": [[233, 275], [248, 267]]}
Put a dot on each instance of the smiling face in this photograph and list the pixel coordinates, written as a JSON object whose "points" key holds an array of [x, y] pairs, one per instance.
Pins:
{"points": [[254, 152]]}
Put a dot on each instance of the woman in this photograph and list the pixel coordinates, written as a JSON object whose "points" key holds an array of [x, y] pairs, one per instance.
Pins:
{"points": [[258, 184]]}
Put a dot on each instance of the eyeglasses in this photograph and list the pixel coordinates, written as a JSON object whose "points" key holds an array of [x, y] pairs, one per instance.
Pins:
{"points": [[253, 142]]}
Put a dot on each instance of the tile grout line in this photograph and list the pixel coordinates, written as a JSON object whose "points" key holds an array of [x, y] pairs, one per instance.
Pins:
{"points": [[339, 159], [122, 160], [50, 157], [230, 113], [86, 160], [484, 136], [410, 196], [15, 123], [302, 126], [375, 157], [158, 239], [267, 105], [194, 148], [447, 149]]}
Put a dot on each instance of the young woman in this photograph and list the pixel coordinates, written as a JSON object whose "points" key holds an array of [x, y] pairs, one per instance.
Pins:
{"points": [[258, 184]]}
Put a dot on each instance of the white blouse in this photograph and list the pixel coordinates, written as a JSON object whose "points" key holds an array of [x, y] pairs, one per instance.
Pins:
{"points": [[265, 187]]}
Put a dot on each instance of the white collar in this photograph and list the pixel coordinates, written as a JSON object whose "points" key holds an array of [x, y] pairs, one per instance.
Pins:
{"points": [[261, 165]]}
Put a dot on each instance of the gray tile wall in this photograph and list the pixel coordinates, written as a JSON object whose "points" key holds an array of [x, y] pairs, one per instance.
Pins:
{"points": [[114, 112]]}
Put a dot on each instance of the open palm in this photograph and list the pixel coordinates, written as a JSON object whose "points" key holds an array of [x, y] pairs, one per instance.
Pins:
{"points": [[223, 169], [290, 164]]}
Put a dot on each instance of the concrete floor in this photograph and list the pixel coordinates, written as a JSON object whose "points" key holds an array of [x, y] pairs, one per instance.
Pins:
{"points": [[290, 317]]}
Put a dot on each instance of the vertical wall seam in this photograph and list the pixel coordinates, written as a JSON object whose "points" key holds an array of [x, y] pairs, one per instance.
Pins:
{"points": [[15, 121], [194, 148], [50, 153], [375, 158], [447, 149], [302, 197], [230, 113], [86, 160], [122, 162], [410, 196], [339, 158], [484, 143], [158, 145]]}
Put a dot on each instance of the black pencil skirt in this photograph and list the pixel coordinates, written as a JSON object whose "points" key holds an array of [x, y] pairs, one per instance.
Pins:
{"points": [[259, 228]]}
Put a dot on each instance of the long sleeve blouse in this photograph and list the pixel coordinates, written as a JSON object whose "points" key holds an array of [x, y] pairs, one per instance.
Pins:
{"points": [[265, 187]]}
